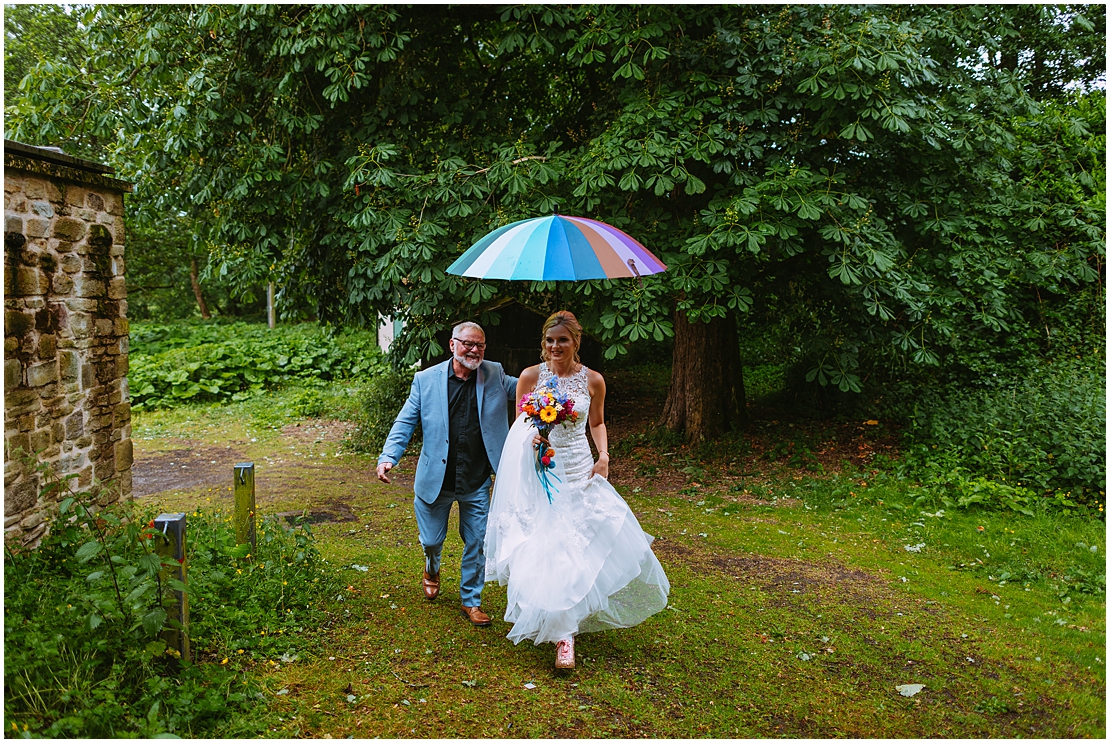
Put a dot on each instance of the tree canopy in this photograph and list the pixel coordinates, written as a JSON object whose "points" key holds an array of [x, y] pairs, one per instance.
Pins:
{"points": [[908, 185]]}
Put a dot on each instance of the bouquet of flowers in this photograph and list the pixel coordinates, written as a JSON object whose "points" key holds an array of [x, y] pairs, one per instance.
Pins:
{"points": [[546, 407]]}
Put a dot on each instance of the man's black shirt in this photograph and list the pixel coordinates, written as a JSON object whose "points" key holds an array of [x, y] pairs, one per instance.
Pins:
{"points": [[467, 462]]}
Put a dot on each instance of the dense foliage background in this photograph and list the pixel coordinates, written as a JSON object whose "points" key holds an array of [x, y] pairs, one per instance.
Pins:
{"points": [[893, 204]]}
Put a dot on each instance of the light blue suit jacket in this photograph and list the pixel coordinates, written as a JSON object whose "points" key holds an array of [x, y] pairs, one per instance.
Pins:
{"points": [[427, 404]]}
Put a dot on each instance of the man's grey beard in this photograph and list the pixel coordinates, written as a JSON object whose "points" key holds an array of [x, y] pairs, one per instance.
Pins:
{"points": [[470, 364]]}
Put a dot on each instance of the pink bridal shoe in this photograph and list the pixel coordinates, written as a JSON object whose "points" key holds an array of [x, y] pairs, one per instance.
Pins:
{"points": [[564, 653]]}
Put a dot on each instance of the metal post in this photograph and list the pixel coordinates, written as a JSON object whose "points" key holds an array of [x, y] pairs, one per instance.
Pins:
{"points": [[175, 602], [244, 504], [271, 313]]}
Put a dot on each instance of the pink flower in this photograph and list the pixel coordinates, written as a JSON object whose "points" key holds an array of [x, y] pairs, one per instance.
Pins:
{"points": [[546, 461]]}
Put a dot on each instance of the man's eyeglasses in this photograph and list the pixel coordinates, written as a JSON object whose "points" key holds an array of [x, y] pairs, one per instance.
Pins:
{"points": [[470, 345]]}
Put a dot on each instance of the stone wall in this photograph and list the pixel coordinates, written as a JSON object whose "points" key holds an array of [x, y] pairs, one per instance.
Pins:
{"points": [[65, 331]]}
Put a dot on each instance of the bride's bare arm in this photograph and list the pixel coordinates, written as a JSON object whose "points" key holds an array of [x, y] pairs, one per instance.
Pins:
{"points": [[526, 383], [597, 423]]}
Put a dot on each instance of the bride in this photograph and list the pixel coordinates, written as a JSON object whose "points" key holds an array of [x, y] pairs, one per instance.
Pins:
{"points": [[574, 560]]}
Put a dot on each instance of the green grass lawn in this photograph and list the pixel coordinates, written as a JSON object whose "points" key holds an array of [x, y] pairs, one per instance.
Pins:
{"points": [[799, 602]]}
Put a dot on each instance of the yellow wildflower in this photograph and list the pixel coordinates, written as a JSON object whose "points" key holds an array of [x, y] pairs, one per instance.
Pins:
{"points": [[548, 415]]}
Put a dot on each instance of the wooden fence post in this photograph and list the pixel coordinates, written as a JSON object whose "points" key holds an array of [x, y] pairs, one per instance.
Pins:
{"points": [[244, 504], [176, 603]]}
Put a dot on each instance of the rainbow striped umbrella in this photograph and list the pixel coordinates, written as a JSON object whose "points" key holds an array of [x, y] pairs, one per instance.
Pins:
{"points": [[556, 248]]}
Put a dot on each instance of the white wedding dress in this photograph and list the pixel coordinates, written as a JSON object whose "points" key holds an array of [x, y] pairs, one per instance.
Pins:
{"points": [[580, 563]]}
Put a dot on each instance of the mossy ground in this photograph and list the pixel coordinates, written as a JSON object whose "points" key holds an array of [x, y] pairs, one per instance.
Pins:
{"points": [[796, 607]]}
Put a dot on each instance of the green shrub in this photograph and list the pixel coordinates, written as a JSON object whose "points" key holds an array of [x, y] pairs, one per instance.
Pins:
{"points": [[83, 614], [198, 362], [1045, 432], [379, 404]]}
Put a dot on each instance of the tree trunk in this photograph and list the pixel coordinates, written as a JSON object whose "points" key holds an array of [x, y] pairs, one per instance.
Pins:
{"points": [[706, 397], [194, 277]]}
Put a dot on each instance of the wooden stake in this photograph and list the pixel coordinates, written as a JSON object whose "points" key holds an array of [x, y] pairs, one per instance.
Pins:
{"points": [[244, 504], [175, 602]]}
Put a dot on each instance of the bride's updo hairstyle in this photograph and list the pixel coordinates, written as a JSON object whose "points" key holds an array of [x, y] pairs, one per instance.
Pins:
{"points": [[568, 321]]}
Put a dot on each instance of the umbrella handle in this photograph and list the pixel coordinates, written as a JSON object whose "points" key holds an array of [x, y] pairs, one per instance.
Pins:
{"points": [[632, 265]]}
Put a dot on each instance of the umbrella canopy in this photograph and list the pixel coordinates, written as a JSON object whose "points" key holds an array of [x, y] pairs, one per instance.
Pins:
{"points": [[556, 248]]}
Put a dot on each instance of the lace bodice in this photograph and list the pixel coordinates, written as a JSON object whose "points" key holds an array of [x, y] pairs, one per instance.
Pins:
{"points": [[570, 440]]}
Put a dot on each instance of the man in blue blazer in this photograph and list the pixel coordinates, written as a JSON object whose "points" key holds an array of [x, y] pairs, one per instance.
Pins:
{"points": [[463, 406]]}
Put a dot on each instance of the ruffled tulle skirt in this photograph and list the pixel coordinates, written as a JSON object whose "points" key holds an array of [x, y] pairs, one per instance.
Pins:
{"points": [[577, 563]]}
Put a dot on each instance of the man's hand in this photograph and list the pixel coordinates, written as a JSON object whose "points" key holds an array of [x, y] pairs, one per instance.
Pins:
{"points": [[383, 468]]}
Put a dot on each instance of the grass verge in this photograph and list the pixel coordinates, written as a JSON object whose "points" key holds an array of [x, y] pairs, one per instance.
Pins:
{"points": [[802, 597]]}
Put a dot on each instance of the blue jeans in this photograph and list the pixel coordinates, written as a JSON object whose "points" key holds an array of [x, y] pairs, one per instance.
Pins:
{"points": [[431, 520]]}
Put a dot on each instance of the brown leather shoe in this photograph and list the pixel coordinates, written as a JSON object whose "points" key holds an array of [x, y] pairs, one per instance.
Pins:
{"points": [[431, 585], [476, 616]]}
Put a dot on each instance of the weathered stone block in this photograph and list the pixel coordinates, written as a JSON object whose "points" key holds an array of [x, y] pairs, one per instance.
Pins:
{"points": [[74, 195], [17, 323], [19, 442], [86, 286], [10, 521], [124, 455], [32, 539], [58, 431], [26, 420], [113, 203], [30, 281], [117, 266], [75, 425], [42, 209], [80, 324], [21, 496], [56, 191], [41, 439], [13, 373], [63, 284], [121, 415], [48, 346], [70, 463], [84, 477], [64, 246], [20, 401], [69, 366], [117, 288], [32, 520], [68, 228], [33, 188], [123, 365], [40, 374], [104, 469], [100, 237], [36, 227], [71, 263], [104, 327], [82, 305], [94, 201], [13, 223], [11, 345], [87, 215]]}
